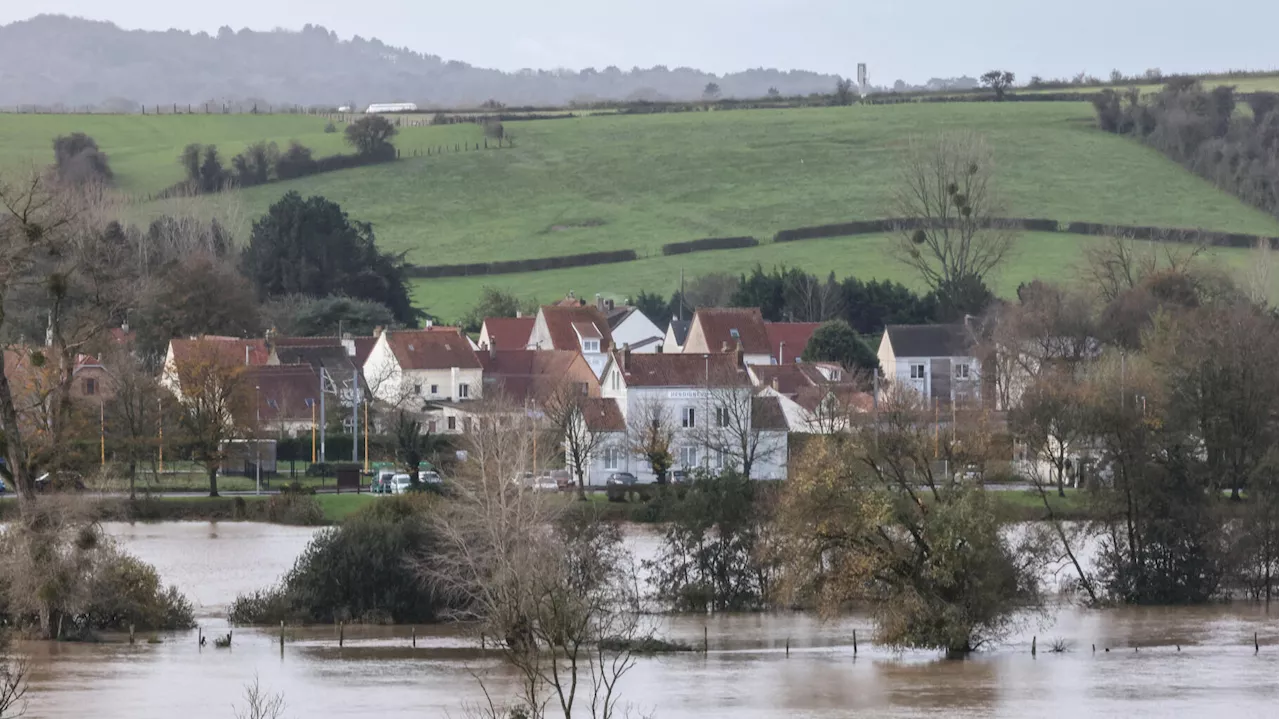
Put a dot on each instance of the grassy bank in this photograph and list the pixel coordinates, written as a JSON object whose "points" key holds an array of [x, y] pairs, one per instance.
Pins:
{"points": [[332, 508]]}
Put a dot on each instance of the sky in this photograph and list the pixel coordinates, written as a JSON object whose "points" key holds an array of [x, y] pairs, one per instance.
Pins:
{"points": [[911, 40]]}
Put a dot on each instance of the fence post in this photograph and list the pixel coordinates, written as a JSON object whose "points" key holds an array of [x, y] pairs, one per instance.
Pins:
{"points": [[413, 633], [855, 642], [788, 646], [342, 631], [282, 635], [1033, 645]]}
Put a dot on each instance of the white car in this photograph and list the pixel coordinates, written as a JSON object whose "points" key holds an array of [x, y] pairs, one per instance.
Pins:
{"points": [[400, 484]]}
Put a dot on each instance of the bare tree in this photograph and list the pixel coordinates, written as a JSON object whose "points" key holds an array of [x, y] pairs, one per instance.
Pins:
{"points": [[650, 435], [809, 299], [554, 597], [259, 704], [565, 408], [214, 397], [14, 669], [950, 233], [731, 428], [135, 412], [1118, 262]]}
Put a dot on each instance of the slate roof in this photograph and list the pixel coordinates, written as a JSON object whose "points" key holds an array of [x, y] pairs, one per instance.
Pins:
{"points": [[432, 349], [929, 340], [721, 325], [509, 333], [767, 414], [789, 337], [679, 330]]}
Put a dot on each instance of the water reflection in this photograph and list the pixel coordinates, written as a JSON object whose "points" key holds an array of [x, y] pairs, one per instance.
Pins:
{"points": [[746, 674]]}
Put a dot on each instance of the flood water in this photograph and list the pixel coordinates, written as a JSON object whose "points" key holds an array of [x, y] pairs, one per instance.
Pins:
{"points": [[747, 672]]}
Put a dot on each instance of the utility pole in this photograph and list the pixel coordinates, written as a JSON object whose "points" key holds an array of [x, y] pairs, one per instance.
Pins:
{"points": [[257, 439], [355, 416], [323, 376]]}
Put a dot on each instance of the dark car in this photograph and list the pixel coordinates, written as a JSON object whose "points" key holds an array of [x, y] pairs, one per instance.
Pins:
{"points": [[618, 485], [679, 476]]}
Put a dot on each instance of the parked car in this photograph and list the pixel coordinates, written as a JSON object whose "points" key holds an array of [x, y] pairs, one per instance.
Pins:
{"points": [[679, 476], [619, 485], [381, 482], [563, 479], [544, 483], [400, 483]]}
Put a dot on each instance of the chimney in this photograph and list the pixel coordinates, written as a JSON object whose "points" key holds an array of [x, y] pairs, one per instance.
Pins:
{"points": [[774, 382], [609, 305], [427, 324], [782, 346], [724, 347], [519, 314], [658, 349], [377, 331], [493, 346], [626, 356], [737, 353], [600, 302]]}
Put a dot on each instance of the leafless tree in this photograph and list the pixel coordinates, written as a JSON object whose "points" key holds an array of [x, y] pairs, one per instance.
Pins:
{"points": [[554, 598], [730, 427], [951, 233], [14, 669], [565, 408], [259, 704], [811, 299], [135, 413], [1118, 262], [651, 432]]}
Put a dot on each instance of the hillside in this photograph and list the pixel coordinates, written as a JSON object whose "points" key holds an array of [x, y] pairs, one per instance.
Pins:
{"points": [[57, 60]]}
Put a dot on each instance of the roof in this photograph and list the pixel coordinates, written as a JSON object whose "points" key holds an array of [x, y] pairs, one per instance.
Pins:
{"points": [[602, 415], [789, 377], [680, 370], [767, 414], [849, 397], [679, 329], [509, 333], [283, 392], [432, 349], [618, 315], [587, 330], [524, 373], [560, 325], [789, 337], [721, 325], [231, 350], [929, 340]]}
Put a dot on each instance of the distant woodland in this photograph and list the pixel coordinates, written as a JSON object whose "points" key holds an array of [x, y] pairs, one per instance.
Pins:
{"points": [[53, 60]]}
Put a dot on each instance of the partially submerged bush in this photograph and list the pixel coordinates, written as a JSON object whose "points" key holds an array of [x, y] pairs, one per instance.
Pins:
{"points": [[294, 508], [124, 591]]}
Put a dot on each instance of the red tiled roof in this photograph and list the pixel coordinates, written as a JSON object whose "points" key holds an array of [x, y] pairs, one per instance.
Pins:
{"points": [[432, 349], [523, 374], [509, 333], [790, 377], [849, 397], [560, 321], [230, 350], [282, 392], [789, 337], [364, 346], [719, 325], [603, 415], [680, 370], [586, 330]]}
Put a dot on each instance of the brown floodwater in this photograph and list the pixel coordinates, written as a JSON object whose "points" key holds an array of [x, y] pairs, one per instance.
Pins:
{"points": [[747, 672]]}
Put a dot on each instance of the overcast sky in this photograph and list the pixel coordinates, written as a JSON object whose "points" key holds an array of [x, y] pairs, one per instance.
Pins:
{"points": [[909, 39]]}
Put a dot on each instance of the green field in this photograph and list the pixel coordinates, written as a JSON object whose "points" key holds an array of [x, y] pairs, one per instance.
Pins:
{"points": [[1265, 83], [637, 182], [1038, 254], [143, 149]]}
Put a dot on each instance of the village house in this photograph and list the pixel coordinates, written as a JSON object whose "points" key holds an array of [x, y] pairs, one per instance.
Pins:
{"points": [[788, 340], [677, 333], [505, 333], [724, 329], [224, 350], [815, 397], [575, 328], [630, 327], [286, 400], [938, 362], [529, 376], [429, 365], [705, 401]]}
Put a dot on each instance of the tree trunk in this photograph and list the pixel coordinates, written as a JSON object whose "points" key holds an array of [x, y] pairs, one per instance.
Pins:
{"points": [[213, 480]]}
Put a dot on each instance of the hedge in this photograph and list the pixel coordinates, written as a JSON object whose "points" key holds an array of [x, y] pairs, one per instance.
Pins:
{"points": [[1166, 234], [530, 265], [710, 243]]}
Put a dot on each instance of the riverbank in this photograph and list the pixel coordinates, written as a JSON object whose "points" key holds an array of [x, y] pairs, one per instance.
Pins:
{"points": [[331, 508]]}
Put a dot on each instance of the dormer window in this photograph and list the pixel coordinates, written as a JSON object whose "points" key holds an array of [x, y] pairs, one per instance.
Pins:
{"points": [[734, 333], [590, 345]]}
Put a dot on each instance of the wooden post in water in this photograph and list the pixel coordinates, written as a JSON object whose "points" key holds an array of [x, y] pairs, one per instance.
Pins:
{"points": [[413, 633], [704, 639], [482, 640], [199, 636], [131, 634], [342, 630], [855, 642], [788, 646], [1033, 645], [282, 635], [1255, 642]]}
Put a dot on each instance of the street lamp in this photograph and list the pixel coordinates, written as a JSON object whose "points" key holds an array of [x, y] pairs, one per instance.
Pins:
{"points": [[257, 443]]}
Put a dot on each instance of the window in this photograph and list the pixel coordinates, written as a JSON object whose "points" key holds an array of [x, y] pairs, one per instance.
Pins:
{"points": [[688, 456], [734, 333], [962, 370], [687, 418], [590, 345], [611, 457], [917, 371], [90, 387], [722, 416], [717, 456], [435, 389], [464, 391], [431, 426], [583, 389], [417, 389], [452, 423]]}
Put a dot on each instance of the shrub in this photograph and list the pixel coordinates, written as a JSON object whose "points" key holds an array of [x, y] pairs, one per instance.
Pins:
{"points": [[330, 128], [295, 508], [265, 606], [78, 159], [710, 243], [295, 162], [532, 265], [126, 591]]}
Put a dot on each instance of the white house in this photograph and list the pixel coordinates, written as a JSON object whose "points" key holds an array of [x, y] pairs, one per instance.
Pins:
{"points": [[631, 328], [937, 361], [435, 364], [705, 401], [580, 328], [723, 329]]}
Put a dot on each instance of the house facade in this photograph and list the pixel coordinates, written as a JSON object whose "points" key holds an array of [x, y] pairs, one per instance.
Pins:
{"points": [[577, 328], [938, 362], [631, 328], [725, 329], [704, 402], [815, 397], [423, 365]]}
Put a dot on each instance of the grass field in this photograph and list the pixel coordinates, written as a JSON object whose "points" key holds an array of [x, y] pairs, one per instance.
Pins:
{"points": [[1266, 83], [143, 149], [1047, 255], [637, 182]]}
